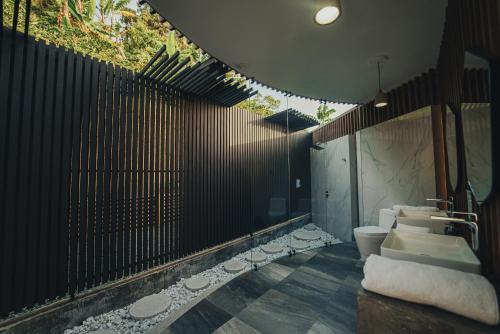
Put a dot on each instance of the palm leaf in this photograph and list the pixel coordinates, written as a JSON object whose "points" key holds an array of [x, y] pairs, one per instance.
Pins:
{"points": [[91, 9], [120, 4], [74, 11]]}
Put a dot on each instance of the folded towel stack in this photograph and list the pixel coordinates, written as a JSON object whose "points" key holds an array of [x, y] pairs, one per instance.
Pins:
{"points": [[466, 294]]}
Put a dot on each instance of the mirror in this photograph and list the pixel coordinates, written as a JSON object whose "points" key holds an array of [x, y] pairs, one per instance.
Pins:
{"points": [[476, 123], [451, 147]]}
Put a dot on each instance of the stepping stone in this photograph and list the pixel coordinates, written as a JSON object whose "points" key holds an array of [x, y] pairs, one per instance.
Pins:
{"points": [[256, 257], [299, 244], [234, 266], [307, 235], [310, 227], [103, 331], [197, 283], [272, 248], [150, 306]]}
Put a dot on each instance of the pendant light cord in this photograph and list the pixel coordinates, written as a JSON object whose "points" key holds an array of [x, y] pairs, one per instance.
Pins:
{"points": [[378, 65]]}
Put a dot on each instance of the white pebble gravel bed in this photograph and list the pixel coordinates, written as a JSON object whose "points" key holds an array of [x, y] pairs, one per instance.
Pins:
{"points": [[120, 321]]}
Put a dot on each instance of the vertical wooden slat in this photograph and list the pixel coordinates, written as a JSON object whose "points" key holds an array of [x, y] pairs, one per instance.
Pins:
{"points": [[146, 197], [23, 250], [206, 177], [178, 122], [157, 148], [219, 171], [92, 170], [182, 219], [195, 174], [127, 175], [107, 202], [100, 209], [161, 180], [122, 173], [83, 170], [188, 221], [64, 208], [34, 167], [135, 191], [173, 179], [54, 224], [46, 147], [151, 174], [75, 174], [22, 166], [182, 184], [175, 129], [115, 217], [140, 185], [168, 191]]}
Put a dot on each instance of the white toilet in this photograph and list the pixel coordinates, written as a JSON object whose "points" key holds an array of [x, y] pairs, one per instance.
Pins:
{"points": [[369, 238]]}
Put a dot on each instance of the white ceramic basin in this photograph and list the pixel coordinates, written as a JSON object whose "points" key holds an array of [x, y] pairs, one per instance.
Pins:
{"points": [[423, 219], [435, 226], [434, 249]]}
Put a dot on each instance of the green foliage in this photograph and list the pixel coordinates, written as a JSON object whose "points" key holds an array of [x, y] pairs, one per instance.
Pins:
{"points": [[111, 31], [324, 113], [259, 104], [171, 43]]}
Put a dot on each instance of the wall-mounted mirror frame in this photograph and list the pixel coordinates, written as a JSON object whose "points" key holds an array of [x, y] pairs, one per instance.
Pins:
{"points": [[476, 113], [451, 147]]}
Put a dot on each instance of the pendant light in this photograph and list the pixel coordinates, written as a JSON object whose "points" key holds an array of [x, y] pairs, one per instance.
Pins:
{"points": [[329, 11], [381, 99]]}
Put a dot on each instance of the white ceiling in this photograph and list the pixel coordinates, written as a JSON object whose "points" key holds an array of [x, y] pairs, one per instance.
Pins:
{"points": [[278, 42]]}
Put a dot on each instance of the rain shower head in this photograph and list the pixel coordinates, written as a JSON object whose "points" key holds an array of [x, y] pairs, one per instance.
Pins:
{"points": [[317, 147]]}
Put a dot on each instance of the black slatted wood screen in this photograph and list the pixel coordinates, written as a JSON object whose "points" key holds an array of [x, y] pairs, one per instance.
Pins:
{"points": [[104, 176]]}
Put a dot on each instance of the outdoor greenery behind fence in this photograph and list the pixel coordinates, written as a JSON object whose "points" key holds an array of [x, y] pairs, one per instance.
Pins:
{"points": [[117, 31]]}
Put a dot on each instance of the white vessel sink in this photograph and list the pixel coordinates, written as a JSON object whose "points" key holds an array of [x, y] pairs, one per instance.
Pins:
{"points": [[434, 249], [435, 226]]}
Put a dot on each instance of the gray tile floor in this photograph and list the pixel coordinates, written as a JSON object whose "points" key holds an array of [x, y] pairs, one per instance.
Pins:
{"points": [[311, 292], [314, 292]]}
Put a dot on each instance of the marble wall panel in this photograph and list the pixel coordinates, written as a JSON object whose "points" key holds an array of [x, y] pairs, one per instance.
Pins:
{"points": [[332, 170], [395, 164]]}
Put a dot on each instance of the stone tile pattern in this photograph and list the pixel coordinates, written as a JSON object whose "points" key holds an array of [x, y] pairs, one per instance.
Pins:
{"points": [[311, 292], [314, 292]]}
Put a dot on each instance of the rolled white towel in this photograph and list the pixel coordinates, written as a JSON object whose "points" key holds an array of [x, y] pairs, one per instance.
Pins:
{"points": [[466, 294]]}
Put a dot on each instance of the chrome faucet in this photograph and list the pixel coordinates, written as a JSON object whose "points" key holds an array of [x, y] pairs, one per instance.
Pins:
{"points": [[472, 224], [450, 207]]}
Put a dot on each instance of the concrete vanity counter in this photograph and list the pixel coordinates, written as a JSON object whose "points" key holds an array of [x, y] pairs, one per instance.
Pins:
{"points": [[381, 314]]}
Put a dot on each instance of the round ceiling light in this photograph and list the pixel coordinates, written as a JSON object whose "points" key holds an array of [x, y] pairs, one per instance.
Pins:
{"points": [[328, 13]]}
